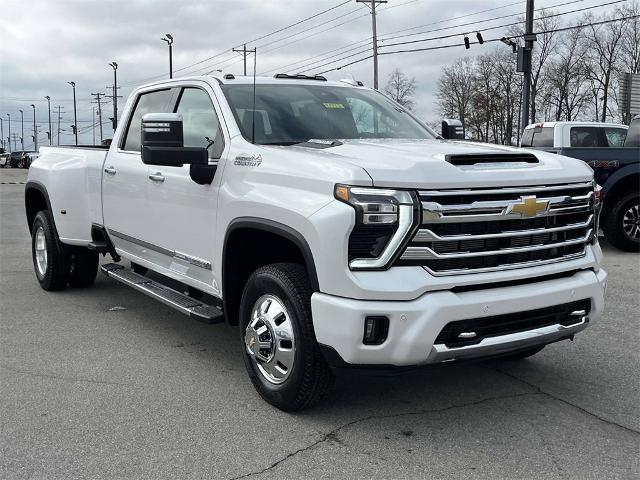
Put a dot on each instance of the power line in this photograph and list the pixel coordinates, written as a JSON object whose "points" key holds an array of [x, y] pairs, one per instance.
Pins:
{"points": [[353, 46], [442, 37], [502, 26], [225, 52], [440, 47]]}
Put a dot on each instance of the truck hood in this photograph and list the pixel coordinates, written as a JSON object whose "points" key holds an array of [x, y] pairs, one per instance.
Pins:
{"points": [[422, 164]]}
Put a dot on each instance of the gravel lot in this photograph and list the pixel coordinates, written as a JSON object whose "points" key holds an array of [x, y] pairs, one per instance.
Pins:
{"points": [[107, 383]]}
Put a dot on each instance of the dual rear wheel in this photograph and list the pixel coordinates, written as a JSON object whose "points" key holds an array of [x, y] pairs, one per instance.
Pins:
{"points": [[57, 266]]}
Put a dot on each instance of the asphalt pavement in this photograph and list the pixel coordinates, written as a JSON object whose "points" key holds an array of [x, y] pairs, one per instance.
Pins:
{"points": [[107, 383]]}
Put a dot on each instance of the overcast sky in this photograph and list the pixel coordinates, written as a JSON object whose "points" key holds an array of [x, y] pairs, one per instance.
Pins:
{"points": [[45, 44]]}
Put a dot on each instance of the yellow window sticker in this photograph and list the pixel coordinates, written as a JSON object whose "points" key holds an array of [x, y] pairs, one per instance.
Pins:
{"points": [[333, 105]]}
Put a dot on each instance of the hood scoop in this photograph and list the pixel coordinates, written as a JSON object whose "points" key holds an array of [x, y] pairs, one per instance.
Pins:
{"points": [[495, 160]]}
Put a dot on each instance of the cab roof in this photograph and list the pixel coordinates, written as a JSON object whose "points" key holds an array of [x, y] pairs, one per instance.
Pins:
{"points": [[278, 79]]}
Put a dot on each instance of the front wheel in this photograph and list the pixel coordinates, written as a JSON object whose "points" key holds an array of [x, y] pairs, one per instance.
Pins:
{"points": [[622, 223], [279, 347]]}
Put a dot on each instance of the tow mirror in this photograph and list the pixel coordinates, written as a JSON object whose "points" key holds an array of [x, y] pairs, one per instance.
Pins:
{"points": [[163, 144], [452, 129]]}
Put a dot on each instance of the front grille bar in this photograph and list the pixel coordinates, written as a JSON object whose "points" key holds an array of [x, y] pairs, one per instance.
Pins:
{"points": [[426, 235], [425, 253], [498, 191]]}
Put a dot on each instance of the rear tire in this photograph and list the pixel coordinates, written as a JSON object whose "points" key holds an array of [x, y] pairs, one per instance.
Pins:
{"points": [[519, 355], [622, 223], [83, 268], [278, 342], [50, 261]]}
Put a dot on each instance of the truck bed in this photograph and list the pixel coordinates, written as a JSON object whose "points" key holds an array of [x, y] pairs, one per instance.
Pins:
{"points": [[72, 176]]}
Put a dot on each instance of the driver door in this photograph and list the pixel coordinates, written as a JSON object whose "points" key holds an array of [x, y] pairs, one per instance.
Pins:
{"points": [[182, 212]]}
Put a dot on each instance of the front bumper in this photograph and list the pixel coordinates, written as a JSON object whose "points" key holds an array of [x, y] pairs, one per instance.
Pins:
{"points": [[414, 325]]}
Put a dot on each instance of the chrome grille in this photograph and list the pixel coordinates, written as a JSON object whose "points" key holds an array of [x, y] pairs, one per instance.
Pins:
{"points": [[475, 230]]}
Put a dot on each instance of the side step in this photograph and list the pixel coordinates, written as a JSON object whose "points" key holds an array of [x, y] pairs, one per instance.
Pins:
{"points": [[181, 302]]}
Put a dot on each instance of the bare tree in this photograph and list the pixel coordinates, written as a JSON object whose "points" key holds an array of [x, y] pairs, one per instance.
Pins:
{"points": [[630, 43], [545, 48], [456, 89], [401, 88], [568, 74], [604, 43]]}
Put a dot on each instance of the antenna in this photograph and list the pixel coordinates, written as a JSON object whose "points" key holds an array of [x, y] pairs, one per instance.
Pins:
{"points": [[253, 110]]}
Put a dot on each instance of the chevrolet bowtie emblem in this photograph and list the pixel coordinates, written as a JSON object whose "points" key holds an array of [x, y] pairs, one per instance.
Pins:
{"points": [[527, 207]]}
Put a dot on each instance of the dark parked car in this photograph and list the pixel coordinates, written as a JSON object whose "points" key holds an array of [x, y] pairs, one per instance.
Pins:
{"points": [[617, 170]]}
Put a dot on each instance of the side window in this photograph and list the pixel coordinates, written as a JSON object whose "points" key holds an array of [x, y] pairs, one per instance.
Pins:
{"points": [[585, 137], [151, 102], [543, 137], [615, 137], [527, 138], [201, 126]]}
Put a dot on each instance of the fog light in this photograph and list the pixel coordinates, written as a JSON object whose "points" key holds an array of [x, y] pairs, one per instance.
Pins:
{"points": [[375, 330]]}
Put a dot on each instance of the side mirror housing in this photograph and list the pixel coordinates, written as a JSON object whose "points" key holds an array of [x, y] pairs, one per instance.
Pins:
{"points": [[452, 129], [163, 142]]}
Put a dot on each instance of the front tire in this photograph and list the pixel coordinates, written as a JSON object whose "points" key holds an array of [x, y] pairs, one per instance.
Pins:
{"points": [[50, 261], [279, 346], [622, 223]]}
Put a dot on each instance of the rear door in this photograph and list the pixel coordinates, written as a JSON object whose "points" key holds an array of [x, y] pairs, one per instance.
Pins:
{"points": [[125, 178]]}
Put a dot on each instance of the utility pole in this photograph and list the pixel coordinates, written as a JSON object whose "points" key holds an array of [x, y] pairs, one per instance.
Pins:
{"points": [[93, 116], [9, 137], [22, 126], [243, 51], [75, 113], [50, 131], [98, 98], [114, 65], [59, 117], [372, 6], [524, 54], [35, 129], [2, 134], [169, 39], [15, 142]]}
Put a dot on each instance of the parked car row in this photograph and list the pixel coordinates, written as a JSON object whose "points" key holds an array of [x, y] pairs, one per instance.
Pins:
{"points": [[17, 159]]}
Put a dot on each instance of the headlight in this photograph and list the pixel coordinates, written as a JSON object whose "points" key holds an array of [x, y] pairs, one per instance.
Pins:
{"points": [[597, 207], [384, 219]]}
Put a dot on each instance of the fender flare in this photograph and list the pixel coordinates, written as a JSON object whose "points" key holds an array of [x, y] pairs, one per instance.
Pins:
{"points": [[618, 175], [34, 185], [279, 229]]}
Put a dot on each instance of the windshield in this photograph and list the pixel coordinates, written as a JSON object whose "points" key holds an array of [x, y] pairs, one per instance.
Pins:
{"points": [[290, 114]]}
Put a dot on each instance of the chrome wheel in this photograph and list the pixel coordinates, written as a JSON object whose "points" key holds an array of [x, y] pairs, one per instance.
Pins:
{"points": [[269, 339], [41, 252], [631, 222]]}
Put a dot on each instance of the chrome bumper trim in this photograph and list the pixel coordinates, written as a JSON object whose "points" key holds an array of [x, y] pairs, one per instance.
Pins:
{"points": [[506, 343]]}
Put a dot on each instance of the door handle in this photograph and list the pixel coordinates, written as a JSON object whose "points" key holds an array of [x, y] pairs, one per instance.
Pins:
{"points": [[110, 170], [157, 177]]}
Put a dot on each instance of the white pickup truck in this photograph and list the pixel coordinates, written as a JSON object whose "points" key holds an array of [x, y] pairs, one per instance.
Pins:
{"points": [[328, 224]]}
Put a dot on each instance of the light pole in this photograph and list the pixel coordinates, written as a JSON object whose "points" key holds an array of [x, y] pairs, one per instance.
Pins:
{"points": [[169, 39], [114, 65], [49, 107], [2, 133], [35, 130], [22, 125], [9, 137], [75, 114]]}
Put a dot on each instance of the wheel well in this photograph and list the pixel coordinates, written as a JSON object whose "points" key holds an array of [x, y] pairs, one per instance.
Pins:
{"points": [[620, 188], [251, 247], [35, 201]]}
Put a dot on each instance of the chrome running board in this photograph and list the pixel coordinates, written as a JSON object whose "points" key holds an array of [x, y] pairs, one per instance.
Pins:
{"points": [[181, 302]]}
